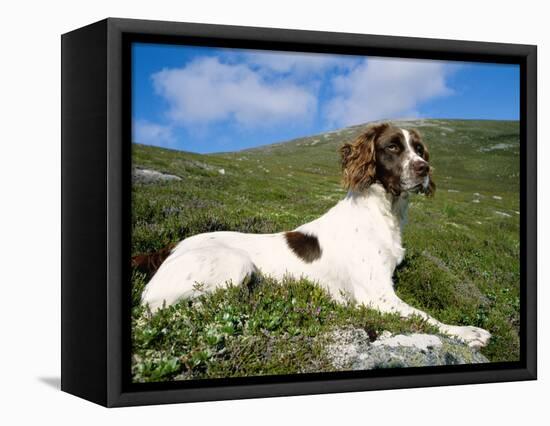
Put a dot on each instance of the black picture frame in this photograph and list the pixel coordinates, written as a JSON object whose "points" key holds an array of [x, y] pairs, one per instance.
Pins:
{"points": [[96, 179]]}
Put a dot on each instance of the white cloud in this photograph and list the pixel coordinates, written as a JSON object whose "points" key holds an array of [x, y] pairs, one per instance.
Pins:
{"points": [[148, 133], [206, 91], [380, 88], [298, 65]]}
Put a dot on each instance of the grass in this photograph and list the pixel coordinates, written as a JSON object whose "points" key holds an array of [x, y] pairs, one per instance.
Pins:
{"points": [[274, 328], [462, 262]]}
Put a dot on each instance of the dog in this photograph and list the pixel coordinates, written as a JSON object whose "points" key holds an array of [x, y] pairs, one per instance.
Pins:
{"points": [[352, 250]]}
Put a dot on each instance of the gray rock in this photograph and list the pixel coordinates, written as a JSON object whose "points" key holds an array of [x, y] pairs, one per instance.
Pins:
{"points": [[351, 349], [151, 176], [498, 146]]}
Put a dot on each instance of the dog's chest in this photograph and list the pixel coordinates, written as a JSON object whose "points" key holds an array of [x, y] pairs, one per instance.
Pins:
{"points": [[376, 244], [367, 234]]}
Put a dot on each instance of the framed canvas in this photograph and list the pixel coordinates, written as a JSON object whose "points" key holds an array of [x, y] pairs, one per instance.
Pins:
{"points": [[256, 212]]}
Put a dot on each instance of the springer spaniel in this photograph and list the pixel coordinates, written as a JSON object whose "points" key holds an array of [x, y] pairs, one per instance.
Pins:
{"points": [[352, 250]]}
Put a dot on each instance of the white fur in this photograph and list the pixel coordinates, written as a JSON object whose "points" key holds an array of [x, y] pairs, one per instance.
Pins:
{"points": [[360, 239]]}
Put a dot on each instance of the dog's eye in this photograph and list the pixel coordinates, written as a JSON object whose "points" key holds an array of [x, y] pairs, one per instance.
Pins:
{"points": [[419, 149], [393, 147]]}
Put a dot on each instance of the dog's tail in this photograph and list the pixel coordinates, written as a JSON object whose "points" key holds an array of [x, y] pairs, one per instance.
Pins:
{"points": [[150, 262]]}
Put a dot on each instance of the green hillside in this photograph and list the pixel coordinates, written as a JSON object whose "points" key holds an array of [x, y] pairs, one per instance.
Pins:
{"points": [[462, 262]]}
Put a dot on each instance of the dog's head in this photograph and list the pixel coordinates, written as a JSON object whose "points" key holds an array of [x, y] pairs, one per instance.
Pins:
{"points": [[396, 158]]}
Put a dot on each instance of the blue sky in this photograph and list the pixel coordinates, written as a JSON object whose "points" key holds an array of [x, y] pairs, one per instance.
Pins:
{"points": [[203, 99]]}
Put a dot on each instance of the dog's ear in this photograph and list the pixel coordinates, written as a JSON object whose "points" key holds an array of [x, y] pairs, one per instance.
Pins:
{"points": [[359, 158], [430, 190]]}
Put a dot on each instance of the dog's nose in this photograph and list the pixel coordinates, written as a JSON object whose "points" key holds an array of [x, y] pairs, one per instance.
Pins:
{"points": [[421, 168]]}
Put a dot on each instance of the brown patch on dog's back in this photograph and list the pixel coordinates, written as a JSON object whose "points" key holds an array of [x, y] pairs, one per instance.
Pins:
{"points": [[306, 247], [149, 263]]}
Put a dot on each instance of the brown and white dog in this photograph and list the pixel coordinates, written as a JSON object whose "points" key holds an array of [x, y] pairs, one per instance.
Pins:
{"points": [[352, 250]]}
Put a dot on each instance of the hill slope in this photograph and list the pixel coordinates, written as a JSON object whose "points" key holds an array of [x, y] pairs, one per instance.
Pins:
{"points": [[462, 262]]}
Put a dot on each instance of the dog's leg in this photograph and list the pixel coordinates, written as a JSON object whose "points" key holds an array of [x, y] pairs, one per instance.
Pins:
{"points": [[475, 337], [190, 273]]}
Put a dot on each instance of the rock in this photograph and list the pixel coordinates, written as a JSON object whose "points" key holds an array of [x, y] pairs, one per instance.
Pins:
{"points": [[151, 176], [415, 340], [352, 349], [221, 171], [502, 214], [498, 146]]}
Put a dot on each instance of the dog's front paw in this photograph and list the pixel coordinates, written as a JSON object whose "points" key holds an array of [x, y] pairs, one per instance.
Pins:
{"points": [[475, 337]]}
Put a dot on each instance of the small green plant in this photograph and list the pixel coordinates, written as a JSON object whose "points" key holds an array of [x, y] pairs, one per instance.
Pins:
{"points": [[274, 328]]}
